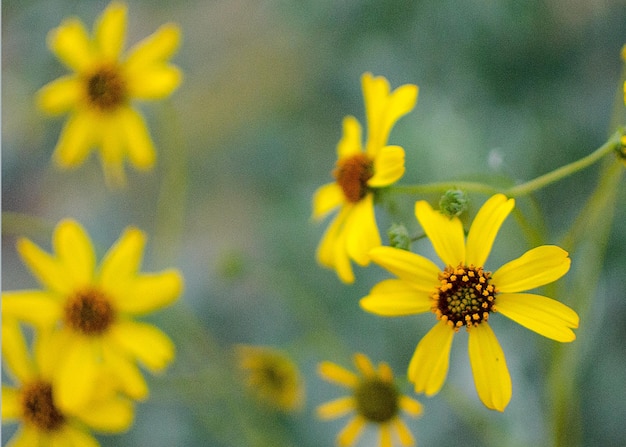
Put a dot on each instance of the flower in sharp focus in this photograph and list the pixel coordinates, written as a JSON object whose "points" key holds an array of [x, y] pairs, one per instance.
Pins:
{"points": [[463, 293], [31, 401], [359, 171], [271, 376], [374, 399], [91, 311], [98, 94]]}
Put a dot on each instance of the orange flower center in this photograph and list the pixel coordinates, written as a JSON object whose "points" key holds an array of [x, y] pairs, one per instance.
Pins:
{"points": [[376, 400], [465, 297], [106, 89], [352, 175], [38, 407], [89, 312]]}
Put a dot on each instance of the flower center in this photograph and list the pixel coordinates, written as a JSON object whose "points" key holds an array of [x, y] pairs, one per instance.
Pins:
{"points": [[106, 89], [38, 407], [376, 400], [352, 175], [465, 296], [89, 311]]}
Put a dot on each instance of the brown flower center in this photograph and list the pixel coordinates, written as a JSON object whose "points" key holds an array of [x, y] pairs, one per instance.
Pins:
{"points": [[106, 89], [465, 296], [352, 175], [376, 400], [89, 311], [38, 407]]}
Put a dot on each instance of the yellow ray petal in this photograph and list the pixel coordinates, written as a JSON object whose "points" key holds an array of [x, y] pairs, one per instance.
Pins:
{"points": [[124, 258], [350, 142], [75, 252], [143, 342], [405, 435], [147, 292], [48, 271], [394, 297], [444, 233], [11, 404], [156, 48], [491, 375], [37, 307], [364, 365], [122, 368], [15, 354], [388, 167], [326, 198], [429, 366], [110, 31], [137, 139], [113, 148], [331, 251], [411, 406], [351, 432], [111, 415], [337, 374], [361, 231], [76, 140], [71, 44], [336, 408], [385, 436], [385, 372], [60, 96], [485, 227], [73, 436], [154, 82], [535, 268], [416, 270], [75, 375], [543, 315], [27, 436]]}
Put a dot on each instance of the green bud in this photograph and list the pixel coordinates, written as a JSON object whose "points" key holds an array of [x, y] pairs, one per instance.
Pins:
{"points": [[399, 237], [453, 203]]}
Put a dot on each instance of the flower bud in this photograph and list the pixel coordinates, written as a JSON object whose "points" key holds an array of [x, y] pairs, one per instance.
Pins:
{"points": [[399, 237], [453, 203]]}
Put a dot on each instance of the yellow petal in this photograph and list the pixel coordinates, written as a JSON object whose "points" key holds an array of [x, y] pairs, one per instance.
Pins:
{"points": [[156, 48], [543, 315], [364, 365], [11, 404], [15, 354], [337, 374], [148, 292], [124, 258], [112, 415], [385, 373], [411, 406], [405, 435], [113, 148], [361, 231], [336, 408], [417, 270], [37, 307], [326, 198], [110, 31], [350, 142], [76, 373], [137, 139], [385, 435], [491, 375], [444, 233], [143, 342], [535, 268], [331, 252], [27, 436], [429, 366], [71, 44], [75, 252], [69, 435], [394, 297], [388, 167], [124, 369], [154, 82], [76, 140], [48, 271], [351, 432], [60, 95], [485, 227]]}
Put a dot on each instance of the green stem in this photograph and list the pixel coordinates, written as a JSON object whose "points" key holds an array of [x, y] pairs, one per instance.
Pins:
{"points": [[440, 187]]}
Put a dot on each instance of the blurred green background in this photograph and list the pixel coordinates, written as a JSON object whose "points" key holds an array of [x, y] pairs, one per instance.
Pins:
{"points": [[509, 90]]}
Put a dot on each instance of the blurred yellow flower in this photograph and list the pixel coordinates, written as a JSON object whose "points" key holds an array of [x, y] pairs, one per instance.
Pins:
{"points": [[375, 399], [271, 376], [32, 401], [99, 94], [464, 294], [91, 311], [359, 171]]}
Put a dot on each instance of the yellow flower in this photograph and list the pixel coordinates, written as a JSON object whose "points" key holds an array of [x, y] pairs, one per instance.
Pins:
{"points": [[91, 311], [271, 376], [375, 399], [464, 294], [32, 401], [353, 231], [99, 94]]}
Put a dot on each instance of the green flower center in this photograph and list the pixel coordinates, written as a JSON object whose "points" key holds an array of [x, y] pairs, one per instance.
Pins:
{"points": [[465, 297], [352, 175], [106, 89], [38, 407], [376, 400], [89, 312]]}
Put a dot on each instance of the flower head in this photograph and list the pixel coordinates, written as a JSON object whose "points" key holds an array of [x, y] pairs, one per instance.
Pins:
{"points": [[375, 399], [32, 402], [271, 376], [463, 293], [98, 94], [91, 311], [359, 171]]}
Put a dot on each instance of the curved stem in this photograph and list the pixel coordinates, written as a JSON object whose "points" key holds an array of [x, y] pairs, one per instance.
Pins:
{"points": [[437, 187]]}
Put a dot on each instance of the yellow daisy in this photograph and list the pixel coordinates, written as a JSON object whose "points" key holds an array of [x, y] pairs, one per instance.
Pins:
{"points": [[464, 294], [271, 376], [359, 171], [92, 311], [375, 399], [32, 401], [98, 94]]}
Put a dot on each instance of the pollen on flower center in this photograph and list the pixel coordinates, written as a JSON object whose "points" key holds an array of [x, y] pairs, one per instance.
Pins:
{"points": [[465, 297], [352, 175], [376, 400], [106, 89], [89, 312], [38, 407]]}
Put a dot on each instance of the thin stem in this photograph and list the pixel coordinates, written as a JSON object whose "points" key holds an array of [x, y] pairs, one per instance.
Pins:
{"points": [[438, 187]]}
